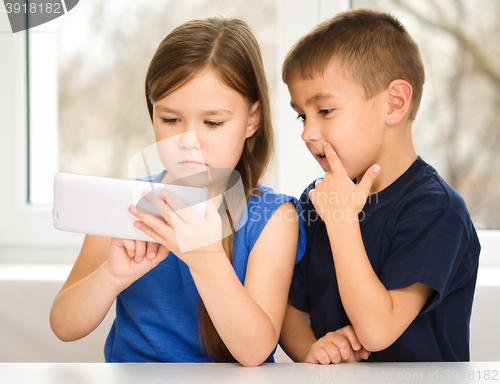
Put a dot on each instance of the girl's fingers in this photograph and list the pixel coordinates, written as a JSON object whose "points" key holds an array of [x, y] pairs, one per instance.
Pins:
{"points": [[158, 204], [167, 236], [151, 221], [160, 256], [129, 246], [183, 210], [151, 249], [163, 251], [140, 250]]}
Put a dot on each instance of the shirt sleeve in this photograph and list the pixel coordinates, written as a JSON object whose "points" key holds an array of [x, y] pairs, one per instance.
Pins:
{"points": [[432, 248], [271, 204], [299, 287]]}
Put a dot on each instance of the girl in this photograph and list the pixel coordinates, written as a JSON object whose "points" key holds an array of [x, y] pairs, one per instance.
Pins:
{"points": [[224, 301]]}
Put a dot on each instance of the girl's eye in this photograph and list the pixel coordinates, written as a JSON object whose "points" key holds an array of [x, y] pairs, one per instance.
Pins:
{"points": [[301, 117], [170, 121], [213, 124], [325, 112]]}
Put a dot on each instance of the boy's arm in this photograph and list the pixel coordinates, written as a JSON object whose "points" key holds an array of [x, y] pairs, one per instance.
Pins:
{"points": [[299, 343], [297, 335], [378, 316]]}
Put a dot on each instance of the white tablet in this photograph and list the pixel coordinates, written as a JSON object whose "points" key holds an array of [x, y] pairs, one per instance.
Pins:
{"points": [[99, 205]]}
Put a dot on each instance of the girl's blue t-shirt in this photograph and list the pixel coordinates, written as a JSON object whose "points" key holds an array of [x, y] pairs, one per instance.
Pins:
{"points": [[157, 317]]}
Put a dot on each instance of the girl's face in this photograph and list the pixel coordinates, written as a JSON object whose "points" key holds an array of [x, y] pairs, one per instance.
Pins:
{"points": [[203, 124]]}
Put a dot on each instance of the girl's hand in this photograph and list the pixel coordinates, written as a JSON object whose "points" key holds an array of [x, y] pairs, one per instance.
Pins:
{"points": [[182, 230], [133, 259]]}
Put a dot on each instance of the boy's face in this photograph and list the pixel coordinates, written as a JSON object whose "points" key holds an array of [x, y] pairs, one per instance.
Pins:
{"points": [[333, 108]]}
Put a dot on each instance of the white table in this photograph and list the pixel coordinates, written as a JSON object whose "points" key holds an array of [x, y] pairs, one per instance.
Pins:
{"points": [[83, 373]]}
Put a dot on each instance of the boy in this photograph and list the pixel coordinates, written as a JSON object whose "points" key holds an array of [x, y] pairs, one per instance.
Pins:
{"points": [[391, 261]]}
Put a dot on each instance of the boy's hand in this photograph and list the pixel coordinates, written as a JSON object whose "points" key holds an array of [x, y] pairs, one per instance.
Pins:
{"points": [[336, 197], [336, 347]]}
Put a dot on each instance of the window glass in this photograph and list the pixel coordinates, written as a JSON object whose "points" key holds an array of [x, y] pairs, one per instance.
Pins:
{"points": [[103, 52], [457, 129]]}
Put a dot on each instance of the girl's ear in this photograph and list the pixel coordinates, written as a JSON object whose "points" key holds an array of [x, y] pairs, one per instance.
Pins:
{"points": [[399, 102], [254, 118]]}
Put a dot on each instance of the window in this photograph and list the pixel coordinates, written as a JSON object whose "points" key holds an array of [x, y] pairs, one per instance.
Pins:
{"points": [[457, 126], [81, 63]]}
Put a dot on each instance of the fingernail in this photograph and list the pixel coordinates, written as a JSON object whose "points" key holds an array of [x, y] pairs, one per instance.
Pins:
{"points": [[357, 346], [151, 255], [139, 259], [132, 254], [376, 169], [325, 143], [133, 210], [136, 224]]}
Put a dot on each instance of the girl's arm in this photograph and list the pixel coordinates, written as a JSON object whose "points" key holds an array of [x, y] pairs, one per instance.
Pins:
{"points": [[103, 269], [248, 318]]}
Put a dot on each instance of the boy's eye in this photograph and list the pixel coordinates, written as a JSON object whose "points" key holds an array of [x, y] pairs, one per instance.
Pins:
{"points": [[170, 121], [213, 124], [325, 112], [301, 117]]}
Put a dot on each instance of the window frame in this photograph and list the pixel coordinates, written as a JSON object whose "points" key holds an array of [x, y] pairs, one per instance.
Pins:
{"points": [[26, 231]]}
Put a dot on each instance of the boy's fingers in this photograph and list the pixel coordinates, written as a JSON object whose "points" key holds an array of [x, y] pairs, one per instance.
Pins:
{"points": [[333, 159], [369, 178], [364, 354], [319, 181], [340, 346], [349, 334], [320, 355]]}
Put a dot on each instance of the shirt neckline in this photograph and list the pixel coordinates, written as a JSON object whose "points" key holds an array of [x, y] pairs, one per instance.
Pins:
{"points": [[397, 185]]}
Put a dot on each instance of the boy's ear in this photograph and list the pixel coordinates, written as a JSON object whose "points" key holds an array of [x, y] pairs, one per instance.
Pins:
{"points": [[399, 103], [254, 118]]}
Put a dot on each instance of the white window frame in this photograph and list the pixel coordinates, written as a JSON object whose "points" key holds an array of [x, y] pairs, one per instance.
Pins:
{"points": [[26, 231]]}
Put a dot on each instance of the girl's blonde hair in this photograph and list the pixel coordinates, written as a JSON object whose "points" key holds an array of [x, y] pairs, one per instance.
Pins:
{"points": [[228, 47]]}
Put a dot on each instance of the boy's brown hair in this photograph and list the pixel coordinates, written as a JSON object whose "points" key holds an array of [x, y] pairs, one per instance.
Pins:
{"points": [[372, 47]]}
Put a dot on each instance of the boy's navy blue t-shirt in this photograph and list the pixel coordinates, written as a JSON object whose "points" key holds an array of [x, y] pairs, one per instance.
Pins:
{"points": [[417, 229]]}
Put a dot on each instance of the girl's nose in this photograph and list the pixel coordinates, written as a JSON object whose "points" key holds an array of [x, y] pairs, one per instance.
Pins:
{"points": [[310, 132], [189, 140]]}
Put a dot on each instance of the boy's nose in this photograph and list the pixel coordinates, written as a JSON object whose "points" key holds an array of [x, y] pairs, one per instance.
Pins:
{"points": [[310, 132]]}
